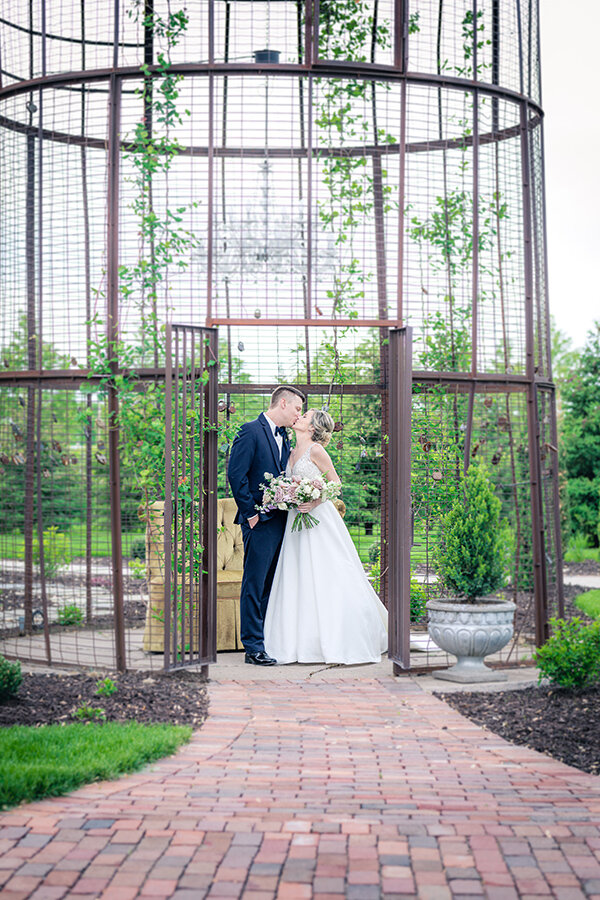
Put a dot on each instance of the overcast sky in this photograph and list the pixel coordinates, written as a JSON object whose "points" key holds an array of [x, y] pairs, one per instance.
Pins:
{"points": [[570, 98]]}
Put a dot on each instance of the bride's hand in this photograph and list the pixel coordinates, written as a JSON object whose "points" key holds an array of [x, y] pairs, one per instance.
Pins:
{"points": [[308, 507]]}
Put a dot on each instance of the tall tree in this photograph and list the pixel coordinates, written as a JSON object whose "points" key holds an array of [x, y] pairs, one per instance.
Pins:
{"points": [[580, 439]]}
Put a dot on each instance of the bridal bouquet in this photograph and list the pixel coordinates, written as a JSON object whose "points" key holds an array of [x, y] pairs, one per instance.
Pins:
{"points": [[283, 492]]}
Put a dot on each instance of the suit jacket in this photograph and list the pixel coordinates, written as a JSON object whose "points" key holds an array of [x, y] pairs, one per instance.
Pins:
{"points": [[254, 452]]}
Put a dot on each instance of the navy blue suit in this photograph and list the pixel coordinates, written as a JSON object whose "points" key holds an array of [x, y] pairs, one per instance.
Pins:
{"points": [[254, 452]]}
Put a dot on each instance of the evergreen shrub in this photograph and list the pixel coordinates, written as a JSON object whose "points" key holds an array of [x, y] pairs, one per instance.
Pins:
{"points": [[470, 560]]}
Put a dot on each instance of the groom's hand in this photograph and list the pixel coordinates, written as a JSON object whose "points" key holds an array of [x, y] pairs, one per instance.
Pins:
{"points": [[252, 522]]}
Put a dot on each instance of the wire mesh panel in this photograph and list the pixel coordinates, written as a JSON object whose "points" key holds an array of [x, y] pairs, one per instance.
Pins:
{"points": [[190, 508]]}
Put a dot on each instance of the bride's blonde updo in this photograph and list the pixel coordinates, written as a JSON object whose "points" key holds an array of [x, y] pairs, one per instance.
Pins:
{"points": [[322, 424]]}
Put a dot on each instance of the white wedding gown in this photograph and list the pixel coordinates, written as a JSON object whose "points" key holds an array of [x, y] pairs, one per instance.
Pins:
{"points": [[322, 607]]}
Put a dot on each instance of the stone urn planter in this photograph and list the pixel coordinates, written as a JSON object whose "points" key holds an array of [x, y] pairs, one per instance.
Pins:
{"points": [[471, 631]]}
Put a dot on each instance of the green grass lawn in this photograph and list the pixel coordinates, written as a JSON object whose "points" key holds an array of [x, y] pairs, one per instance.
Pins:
{"points": [[363, 541], [55, 759], [578, 550], [589, 603], [12, 546]]}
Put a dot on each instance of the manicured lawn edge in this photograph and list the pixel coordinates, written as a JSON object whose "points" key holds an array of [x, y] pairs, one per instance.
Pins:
{"points": [[589, 603], [55, 759]]}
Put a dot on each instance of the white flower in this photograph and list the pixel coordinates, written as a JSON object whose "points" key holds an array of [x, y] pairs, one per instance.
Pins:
{"points": [[282, 506], [268, 476], [316, 493]]}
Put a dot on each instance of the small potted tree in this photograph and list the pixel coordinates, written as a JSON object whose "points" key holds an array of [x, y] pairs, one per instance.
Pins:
{"points": [[471, 624]]}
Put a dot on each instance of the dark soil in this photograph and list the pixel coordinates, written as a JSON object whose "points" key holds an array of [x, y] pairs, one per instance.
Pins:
{"points": [[562, 724], [179, 698], [586, 567]]}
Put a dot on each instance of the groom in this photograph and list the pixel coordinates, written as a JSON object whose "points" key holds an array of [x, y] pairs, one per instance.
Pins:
{"points": [[260, 446]]}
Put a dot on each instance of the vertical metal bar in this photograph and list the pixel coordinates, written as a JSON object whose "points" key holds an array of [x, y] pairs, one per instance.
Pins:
{"points": [[40, 526], [395, 531], [112, 334], [186, 597], [475, 254], [383, 362], [474, 260], [193, 583], [541, 323], [116, 13], [180, 618], [210, 493], [211, 31], [475, 40], [309, 200], [400, 33], [32, 354], [40, 207], [211, 161], [533, 425], [520, 43], [177, 450], [554, 429], [379, 235], [495, 61], [529, 47], [182, 441], [314, 32], [211, 175], [400, 496], [401, 202], [168, 507], [469, 428], [204, 532], [88, 334], [40, 344]]}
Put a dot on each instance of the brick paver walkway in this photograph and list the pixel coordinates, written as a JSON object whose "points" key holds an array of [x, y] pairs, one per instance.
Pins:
{"points": [[364, 789]]}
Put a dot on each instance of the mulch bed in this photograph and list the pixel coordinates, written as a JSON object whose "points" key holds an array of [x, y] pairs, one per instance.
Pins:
{"points": [[180, 698], [562, 724]]}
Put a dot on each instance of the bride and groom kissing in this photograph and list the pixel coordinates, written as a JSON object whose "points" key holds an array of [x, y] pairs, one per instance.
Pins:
{"points": [[305, 596]]}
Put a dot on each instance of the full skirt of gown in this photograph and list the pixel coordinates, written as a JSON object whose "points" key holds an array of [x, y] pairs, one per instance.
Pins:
{"points": [[322, 607]]}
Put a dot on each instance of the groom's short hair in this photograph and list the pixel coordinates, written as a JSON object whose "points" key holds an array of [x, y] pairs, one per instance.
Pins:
{"points": [[283, 389]]}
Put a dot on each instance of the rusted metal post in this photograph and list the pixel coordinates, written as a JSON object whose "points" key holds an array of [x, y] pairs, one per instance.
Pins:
{"points": [[535, 478], [112, 334], [383, 365], [209, 487], [400, 532], [168, 507], [32, 355]]}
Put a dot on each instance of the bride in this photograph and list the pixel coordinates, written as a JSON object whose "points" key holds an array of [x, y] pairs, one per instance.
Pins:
{"points": [[322, 607]]}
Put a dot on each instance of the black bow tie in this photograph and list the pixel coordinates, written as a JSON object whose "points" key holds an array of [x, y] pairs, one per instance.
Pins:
{"points": [[281, 430]]}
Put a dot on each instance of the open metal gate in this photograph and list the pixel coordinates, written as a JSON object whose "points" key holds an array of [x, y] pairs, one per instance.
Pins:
{"points": [[190, 517], [399, 496]]}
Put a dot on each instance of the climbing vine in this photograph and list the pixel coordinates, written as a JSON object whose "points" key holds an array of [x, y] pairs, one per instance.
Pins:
{"points": [[164, 243]]}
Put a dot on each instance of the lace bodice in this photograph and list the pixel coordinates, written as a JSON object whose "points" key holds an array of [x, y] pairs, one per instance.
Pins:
{"points": [[304, 467]]}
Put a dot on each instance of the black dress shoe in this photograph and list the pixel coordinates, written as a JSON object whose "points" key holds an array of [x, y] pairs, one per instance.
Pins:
{"points": [[260, 658]]}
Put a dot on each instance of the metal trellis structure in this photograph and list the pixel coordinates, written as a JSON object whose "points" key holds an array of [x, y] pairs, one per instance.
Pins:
{"points": [[306, 181]]}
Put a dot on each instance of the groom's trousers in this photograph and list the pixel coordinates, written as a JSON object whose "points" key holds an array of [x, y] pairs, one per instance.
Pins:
{"points": [[261, 552]]}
